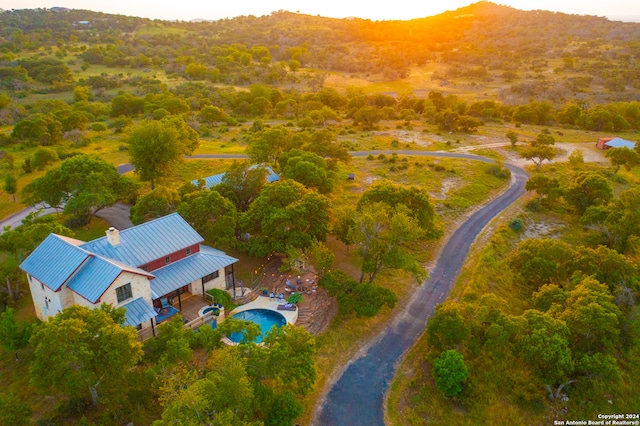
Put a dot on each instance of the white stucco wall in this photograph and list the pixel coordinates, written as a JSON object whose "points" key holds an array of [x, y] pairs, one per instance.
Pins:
{"points": [[65, 297], [38, 293], [139, 288], [216, 282]]}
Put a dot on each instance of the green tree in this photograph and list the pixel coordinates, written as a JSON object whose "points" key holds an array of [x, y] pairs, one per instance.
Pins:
{"points": [[85, 353], [84, 184], [618, 221], [213, 115], [156, 147], [547, 188], [321, 257], [38, 128], [12, 336], [286, 215], [172, 345], [10, 185], [154, 204], [416, 200], [513, 137], [446, 329], [212, 215], [544, 345], [539, 150], [343, 224], [386, 236], [450, 372], [308, 168], [623, 157], [14, 410], [242, 184], [126, 105], [588, 189], [593, 317], [267, 145], [368, 116]]}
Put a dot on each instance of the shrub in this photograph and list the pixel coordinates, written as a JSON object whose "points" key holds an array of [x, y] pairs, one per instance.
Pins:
{"points": [[359, 298], [516, 225], [295, 298], [98, 127], [26, 166], [450, 372], [498, 171], [221, 297], [42, 157]]}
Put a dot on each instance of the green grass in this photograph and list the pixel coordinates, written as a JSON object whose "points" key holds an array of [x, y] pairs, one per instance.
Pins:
{"points": [[94, 229]]}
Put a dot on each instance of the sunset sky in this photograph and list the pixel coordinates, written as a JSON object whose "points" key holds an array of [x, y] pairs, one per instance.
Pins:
{"points": [[626, 10]]}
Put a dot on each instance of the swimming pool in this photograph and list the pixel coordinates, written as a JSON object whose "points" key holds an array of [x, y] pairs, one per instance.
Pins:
{"points": [[265, 318]]}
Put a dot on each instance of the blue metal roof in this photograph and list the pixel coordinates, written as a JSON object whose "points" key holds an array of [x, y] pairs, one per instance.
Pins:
{"points": [[175, 275], [620, 143], [53, 261], [211, 181], [94, 278], [138, 311], [150, 241]]}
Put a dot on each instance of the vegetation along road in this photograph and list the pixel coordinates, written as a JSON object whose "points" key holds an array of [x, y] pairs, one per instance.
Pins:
{"points": [[357, 397]]}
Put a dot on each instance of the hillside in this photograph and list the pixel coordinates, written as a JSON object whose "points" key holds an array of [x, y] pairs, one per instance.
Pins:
{"points": [[343, 110]]}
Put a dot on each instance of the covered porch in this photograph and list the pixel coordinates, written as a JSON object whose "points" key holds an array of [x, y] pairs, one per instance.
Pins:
{"points": [[180, 287]]}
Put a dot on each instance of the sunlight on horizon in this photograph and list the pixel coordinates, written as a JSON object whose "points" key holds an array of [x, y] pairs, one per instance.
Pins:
{"points": [[402, 10]]}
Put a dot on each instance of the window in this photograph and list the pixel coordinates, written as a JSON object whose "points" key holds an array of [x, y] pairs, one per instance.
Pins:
{"points": [[123, 293], [167, 260], [188, 251], [210, 277]]}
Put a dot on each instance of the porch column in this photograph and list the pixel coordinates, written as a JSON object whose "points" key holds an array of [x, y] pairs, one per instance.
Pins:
{"points": [[233, 281]]}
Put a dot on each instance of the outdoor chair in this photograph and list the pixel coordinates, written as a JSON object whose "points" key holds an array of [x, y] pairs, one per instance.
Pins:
{"points": [[165, 303], [287, 307]]}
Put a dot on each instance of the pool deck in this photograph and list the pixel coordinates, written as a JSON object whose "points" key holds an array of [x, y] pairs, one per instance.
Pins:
{"points": [[263, 302]]}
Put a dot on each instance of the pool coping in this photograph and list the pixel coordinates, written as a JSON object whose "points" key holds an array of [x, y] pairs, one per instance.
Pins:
{"points": [[262, 302]]}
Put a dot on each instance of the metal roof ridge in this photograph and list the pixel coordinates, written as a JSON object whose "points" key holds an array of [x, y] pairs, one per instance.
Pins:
{"points": [[124, 266], [138, 227]]}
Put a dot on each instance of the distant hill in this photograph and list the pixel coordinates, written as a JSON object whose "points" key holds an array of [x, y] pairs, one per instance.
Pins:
{"points": [[560, 56]]}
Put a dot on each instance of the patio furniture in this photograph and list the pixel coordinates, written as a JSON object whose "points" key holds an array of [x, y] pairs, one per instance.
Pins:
{"points": [[165, 303], [287, 307]]}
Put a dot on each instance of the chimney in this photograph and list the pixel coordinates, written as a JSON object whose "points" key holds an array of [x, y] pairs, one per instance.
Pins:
{"points": [[113, 236]]}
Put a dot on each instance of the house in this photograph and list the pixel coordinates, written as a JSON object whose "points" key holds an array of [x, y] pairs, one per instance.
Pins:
{"points": [[138, 268], [214, 180], [606, 143]]}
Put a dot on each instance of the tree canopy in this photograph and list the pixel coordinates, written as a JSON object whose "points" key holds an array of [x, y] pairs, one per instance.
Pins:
{"points": [[85, 353], [155, 147], [82, 185], [285, 215]]}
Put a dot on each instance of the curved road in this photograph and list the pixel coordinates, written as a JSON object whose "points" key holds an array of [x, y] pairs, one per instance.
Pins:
{"points": [[357, 398]]}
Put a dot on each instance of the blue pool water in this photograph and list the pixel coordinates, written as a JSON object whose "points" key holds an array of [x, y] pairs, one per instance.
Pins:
{"points": [[211, 308], [263, 317]]}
